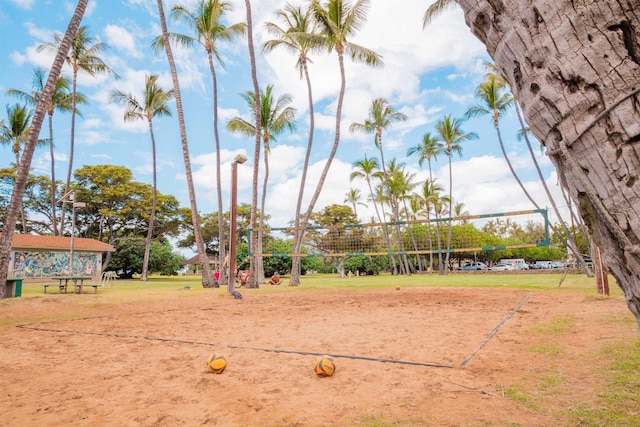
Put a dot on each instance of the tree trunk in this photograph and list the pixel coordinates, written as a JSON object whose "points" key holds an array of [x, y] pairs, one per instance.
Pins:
{"points": [[54, 221], [221, 243], [252, 281], [299, 233], [574, 66], [147, 245], [208, 281]]}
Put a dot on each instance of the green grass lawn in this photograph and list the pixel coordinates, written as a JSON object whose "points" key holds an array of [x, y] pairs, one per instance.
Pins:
{"points": [[162, 286]]}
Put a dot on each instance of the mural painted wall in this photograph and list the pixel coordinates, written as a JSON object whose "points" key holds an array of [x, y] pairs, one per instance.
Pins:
{"points": [[46, 264]]}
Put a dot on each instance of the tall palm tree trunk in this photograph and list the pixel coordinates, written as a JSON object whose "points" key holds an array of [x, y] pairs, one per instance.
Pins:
{"points": [[294, 280], [147, 246], [221, 240], [334, 149], [54, 221], [32, 139], [259, 261], [208, 280], [252, 281], [450, 225], [570, 240], [71, 147]]}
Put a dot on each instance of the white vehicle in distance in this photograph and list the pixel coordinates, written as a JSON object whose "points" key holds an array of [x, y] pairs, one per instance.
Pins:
{"points": [[517, 263], [502, 267]]}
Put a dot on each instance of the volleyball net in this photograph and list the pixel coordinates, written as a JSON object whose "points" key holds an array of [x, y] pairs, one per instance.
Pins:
{"points": [[467, 233]]}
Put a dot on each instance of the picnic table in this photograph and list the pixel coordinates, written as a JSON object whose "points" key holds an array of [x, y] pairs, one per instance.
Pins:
{"points": [[78, 283]]}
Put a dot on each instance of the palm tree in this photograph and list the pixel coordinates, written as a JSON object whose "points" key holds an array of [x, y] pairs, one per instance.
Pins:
{"points": [[206, 21], [336, 21], [381, 117], [429, 149], [398, 184], [430, 196], [568, 238], [293, 37], [154, 104], [14, 133], [208, 280], [61, 100], [494, 102], [83, 56], [32, 139], [451, 133], [252, 281], [435, 9], [276, 117], [353, 197], [367, 169]]}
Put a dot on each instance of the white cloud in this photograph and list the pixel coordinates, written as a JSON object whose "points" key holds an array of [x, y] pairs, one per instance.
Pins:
{"points": [[24, 4], [123, 40]]}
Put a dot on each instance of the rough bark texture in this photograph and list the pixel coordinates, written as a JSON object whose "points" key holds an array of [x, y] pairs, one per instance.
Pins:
{"points": [[575, 67]]}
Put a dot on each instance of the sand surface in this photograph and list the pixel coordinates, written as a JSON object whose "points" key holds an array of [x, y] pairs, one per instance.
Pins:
{"points": [[414, 356]]}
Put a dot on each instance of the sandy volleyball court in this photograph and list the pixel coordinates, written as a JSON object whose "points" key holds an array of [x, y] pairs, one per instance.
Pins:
{"points": [[85, 360]]}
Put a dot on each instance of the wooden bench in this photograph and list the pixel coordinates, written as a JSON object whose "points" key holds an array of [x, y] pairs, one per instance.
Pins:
{"points": [[78, 287], [60, 287]]}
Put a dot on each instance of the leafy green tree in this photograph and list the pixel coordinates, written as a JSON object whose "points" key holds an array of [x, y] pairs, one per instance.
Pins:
{"points": [[154, 104], [276, 263], [336, 239], [118, 207], [36, 197], [128, 258]]}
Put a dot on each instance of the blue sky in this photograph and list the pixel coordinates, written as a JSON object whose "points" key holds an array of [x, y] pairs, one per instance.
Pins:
{"points": [[427, 74]]}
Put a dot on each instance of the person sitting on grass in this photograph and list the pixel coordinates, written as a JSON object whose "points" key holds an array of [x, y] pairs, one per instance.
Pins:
{"points": [[275, 279], [242, 277]]}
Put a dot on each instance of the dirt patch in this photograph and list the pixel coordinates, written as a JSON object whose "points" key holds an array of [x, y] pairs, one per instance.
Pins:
{"points": [[74, 360]]}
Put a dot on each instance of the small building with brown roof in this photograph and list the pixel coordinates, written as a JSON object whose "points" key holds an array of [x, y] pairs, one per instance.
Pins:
{"points": [[34, 256]]}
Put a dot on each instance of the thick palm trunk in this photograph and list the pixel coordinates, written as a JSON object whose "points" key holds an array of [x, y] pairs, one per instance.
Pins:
{"points": [[575, 67], [32, 139], [208, 280]]}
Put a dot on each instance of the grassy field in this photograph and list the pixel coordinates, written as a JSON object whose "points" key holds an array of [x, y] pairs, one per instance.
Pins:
{"points": [[161, 286]]}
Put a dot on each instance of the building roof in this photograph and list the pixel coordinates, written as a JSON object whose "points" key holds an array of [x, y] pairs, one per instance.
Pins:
{"points": [[195, 260], [31, 241]]}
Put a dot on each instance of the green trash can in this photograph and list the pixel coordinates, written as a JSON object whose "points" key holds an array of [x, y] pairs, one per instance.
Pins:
{"points": [[14, 288]]}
